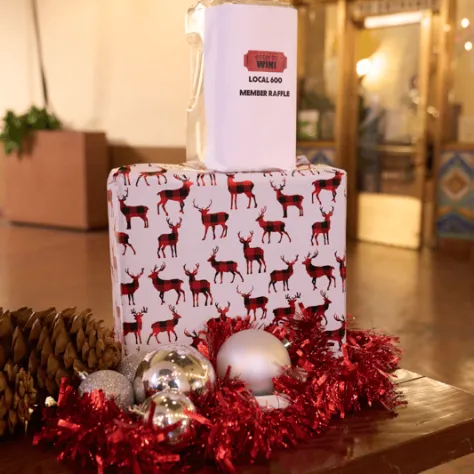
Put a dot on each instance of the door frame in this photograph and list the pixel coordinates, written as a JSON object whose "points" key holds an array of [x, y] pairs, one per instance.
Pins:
{"points": [[347, 107]]}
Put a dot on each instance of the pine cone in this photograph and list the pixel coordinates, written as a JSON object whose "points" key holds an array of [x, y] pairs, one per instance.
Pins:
{"points": [[52, 345], [17, 398]]}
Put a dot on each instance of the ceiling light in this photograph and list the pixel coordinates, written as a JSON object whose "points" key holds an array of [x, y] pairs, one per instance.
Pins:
{"points": [[393, 20]]}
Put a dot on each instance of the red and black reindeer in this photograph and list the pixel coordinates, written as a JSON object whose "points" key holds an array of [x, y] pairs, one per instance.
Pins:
{"points": [[123, 171], [287, 200], [316, 272], [136, 327], [318, 312], [212, 220], [178, 195], [337, 335], [169, 240], [282, 275], [240, 187], [271, 226], [163, 286], [222, 311], [165, 326], [133, 211], [161, 173], [322, 227], [252, 304], [200, 179], [331, 184], [129, 289], [342, 269], [287, 312], [124, 239], [198, 287], [222, 267], [252, 254]]}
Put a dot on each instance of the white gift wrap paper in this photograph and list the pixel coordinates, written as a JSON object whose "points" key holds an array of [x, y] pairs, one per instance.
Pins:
{"points": [[181, 236], [249, 87]]}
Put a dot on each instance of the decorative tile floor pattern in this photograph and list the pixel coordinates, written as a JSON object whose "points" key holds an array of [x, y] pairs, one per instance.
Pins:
{"points": [[456, 195]]}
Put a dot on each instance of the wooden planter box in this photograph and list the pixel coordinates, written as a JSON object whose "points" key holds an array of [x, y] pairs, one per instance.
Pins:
{"points": [[60, 180]]}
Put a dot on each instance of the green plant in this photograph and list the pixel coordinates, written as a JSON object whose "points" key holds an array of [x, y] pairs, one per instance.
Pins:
{"points": [[17, 127], [313, 101]]}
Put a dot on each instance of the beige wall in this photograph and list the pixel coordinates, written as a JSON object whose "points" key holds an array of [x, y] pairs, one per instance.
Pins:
{"points": [[463, 70], [115, 65]]}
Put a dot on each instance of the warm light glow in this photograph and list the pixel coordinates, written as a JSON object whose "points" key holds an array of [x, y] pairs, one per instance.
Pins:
{"points": [[393, 20], [363, 67], [468, 46], [464, 22]]}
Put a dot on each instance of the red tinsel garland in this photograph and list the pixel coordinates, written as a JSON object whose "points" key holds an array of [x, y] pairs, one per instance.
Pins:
{"points": [[231, 427]]}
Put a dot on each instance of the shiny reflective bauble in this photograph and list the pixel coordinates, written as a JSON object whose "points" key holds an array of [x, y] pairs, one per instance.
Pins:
{"points": [[169, 407], [163, 375], [113, 384], [197, 371], [256, 357]]}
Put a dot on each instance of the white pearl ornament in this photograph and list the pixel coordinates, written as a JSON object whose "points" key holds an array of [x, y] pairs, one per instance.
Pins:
{"points": [[256, 357]]}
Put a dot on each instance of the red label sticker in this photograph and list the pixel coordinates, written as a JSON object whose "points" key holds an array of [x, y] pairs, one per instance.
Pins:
{"points": [[265, 61]]}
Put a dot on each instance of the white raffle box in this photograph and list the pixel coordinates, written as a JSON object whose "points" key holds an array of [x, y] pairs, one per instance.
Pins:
{"points": [[242, 113], [189, 245]]}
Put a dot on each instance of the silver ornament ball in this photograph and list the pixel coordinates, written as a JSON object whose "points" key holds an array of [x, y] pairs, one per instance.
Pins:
{"points": [[256, 357], [169, 408], [113, 384], [192, 372], [163, 375], [129, 364]]}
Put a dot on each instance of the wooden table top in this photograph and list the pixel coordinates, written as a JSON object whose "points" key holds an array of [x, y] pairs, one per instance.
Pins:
{"points": [[436, 426]]}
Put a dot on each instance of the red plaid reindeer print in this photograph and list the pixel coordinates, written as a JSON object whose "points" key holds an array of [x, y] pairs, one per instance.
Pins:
{"points": [[331, 185], [316, 272], [212, 220], [286, 200], [240, 187], [342, 269], [336, 336], [252, 254], [165, 326], [282, 275], [198, 287], [286, 313], [123, 171], [163, 286], [148, 174], [252, 304], [130, 212], [170, 239], [221, 267], [191, 279], [178, 195]]}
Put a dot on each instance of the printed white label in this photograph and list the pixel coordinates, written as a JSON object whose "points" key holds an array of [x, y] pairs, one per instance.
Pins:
{"points": [[250, 54]]}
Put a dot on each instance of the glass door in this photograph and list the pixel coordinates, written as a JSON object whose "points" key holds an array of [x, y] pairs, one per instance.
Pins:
{"points": [[393, 62]]}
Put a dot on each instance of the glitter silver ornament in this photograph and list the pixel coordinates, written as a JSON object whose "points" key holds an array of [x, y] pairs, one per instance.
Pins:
{"points": [[113, 384], [198, 372], [169, 407], [256, 357], [129, 364]]}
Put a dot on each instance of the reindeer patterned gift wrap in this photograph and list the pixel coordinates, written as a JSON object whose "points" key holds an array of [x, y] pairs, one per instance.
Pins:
{"points": [[188, 245]]}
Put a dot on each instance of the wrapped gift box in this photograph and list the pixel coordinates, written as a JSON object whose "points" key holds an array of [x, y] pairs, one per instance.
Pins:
{"points": [[188, 245]]}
